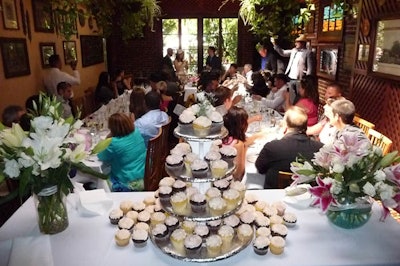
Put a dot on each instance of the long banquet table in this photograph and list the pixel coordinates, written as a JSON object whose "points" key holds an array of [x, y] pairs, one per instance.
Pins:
{"points": [[313, 241]]}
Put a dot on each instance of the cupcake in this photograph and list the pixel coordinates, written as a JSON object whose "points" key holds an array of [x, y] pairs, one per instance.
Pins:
{"points": [[191, 191], [261, 205], [217, 122], [177, 239], [139, 237], [126, 223], [160, 233], [138, 206], [212, 156], [178, 186], [260, 245], [179, 203], [262, 221], [174, 163], [199, 168], [232, 220], [219, 168], [226, 233], [166, 181], [133, 215], [122, 237], [144, 217], [279, 230], [172, 223], [251, 198], [189, 159], [115, 215], [222, 184], [202, 126], [280, 207], [247, 217], [239, 186], [149, 209], [212, 193], [198, 203], [214, 225], [217, 206], [213, 245], [149, 200], [202, 231], [186, 119], [157, 218], [228, 153], [188, 226], [270, 211], [141, 225], [183, 147], [158, 207], [165, 193], [263, 231], [192, 245], [289, 219], [231, 197], [277, 245], [275, 219], [126, 206], [258, 214], [244, 233]]}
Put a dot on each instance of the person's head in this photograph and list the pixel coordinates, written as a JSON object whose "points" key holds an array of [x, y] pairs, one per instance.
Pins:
{"points": [[180, 55], [223, 96], [309, 88], [300, 42], [12, 114], [170, 52], [235, 121], [161, 87], [120, 125], [209, 81], [154, 79], [341, 112], [262, 50], [258, 79], [137, 104], [118, 74], [104, 79], [280, 80], [247, 68], [233, 69], [295, 119], [211, 51], [55, 61], [152, 100], [64, 89], [333, 90]]}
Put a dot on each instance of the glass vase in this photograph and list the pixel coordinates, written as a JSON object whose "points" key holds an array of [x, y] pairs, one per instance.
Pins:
{"points": [[350, 215], [51, 210]]}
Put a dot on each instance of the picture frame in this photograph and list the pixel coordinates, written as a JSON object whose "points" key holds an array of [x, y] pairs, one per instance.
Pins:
{"points": [[330, 22], [42, 18], [46, 49], [363, 52], [69, 51], [10, 17], [15, 57], [327, 60], [91, 50], [385, 53]]}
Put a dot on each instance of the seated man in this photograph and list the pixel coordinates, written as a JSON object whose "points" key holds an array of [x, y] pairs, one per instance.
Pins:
{"points": [[277, 102], [278, 154], [64, 91], [12, 114], [150, 123]]}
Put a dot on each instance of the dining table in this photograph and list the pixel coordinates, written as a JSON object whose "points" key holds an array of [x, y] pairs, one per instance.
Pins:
{"points": [[89, 240]]}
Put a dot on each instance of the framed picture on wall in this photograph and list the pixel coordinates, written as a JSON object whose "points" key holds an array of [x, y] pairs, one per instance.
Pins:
{"points": [[327, 61], [69, 51], [330, 26], [10, 18], [15, 57], [42, 17], [386, 49], [92, 50], [46, 50]]}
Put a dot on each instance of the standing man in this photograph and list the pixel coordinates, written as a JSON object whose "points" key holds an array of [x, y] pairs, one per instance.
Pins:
{"points": [[166, 64], [301, 63], [268, 59], [213, 62], [55, 75]]}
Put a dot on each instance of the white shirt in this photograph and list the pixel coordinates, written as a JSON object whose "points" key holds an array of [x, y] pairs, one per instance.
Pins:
{"points": [[248, 77], [278, 100], [55, 76], [293, 67]]}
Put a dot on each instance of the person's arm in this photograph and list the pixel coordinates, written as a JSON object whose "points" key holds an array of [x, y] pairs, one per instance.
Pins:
{"points": [[278, 100], [107, 154], [317, 128], [263, 160], [281, 52], [74, 79], [240, 161], [286, 96]]}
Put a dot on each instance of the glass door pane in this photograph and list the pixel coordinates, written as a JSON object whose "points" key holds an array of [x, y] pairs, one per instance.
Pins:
{"points": [[170, 34], [189, 42]]}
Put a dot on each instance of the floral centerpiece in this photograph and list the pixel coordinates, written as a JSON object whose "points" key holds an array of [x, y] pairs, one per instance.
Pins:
{"points": [[41, 160], [348, 174]]}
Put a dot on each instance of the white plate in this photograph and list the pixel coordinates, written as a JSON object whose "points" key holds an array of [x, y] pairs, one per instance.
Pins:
{"points": [[298, 196]]}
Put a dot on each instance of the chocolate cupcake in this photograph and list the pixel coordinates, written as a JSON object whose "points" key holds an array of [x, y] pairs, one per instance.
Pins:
{"points": [[198, 203], [139, 237], [261, 245], [160, 233], [192, 245]]}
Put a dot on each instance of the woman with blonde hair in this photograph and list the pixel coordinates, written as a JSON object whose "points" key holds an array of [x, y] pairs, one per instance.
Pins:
{"points": [[181, 66], [126, 154]]}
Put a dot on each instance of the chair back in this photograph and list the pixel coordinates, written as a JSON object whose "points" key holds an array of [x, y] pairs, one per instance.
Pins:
{"points": [[363, 124], [89, 101], [154, 166], [284, 179], [380, 140], [165, 143]]}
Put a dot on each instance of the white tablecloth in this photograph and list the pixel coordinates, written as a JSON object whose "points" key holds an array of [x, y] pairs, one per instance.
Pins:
{"points": [[313, 241], [189, 90]]}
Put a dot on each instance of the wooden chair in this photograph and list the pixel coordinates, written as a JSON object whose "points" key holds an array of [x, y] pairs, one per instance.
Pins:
{"points": [[89, 101], [154, 166], [363, 124], [380, 140], [165, 144], [284, 179]]}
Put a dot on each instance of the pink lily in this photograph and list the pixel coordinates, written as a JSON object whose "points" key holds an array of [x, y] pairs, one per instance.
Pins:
{"points": [[323, 194], [385, 209]]}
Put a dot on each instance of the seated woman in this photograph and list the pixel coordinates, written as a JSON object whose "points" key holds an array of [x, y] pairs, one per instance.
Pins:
{"points": [[119, 82], [104, 93], [161, 87], [126, 154], [309, 99], [137, 104]]}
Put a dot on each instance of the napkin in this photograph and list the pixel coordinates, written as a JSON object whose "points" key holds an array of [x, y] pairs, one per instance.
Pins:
{"points": [[94, 202], [298, 196], [31, 251]]}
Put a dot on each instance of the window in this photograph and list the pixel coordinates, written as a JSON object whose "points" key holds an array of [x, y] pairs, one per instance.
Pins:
{"points": [[331, 17], [184, 34]]}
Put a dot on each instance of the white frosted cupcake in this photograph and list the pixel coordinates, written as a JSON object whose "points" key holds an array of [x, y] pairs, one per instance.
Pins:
{"points": [[198, 203], [202, 126], [247, 217], [177, 239], [188, 226], [199, 168], [228, 153], [261, 205], [138, 206], [231, 197], [232, 220], [202, 231], [178, 186], [122, 237], [251, 198], [189, 159], [277, 245], [149, 200], [126, 206], [182, 148], [160, 233], [261, 245], [212, 192], [262, 221], [115, 215], [133, 215], [192, 245], [126, 223], [226, 233], [212, 156], [157, 218], [290, 219], [142, 225], [275, 219], [214, 225], [139, 237], [179, 203], [217, 206], [239, 186], [144, 217], [219, 168], [221, 184], [165, 193], [171, 222], [270, 211], [187, 117], [263, 231], [279, 230], [174, 163], [166, 181], [191, 191], [213, 245], [244, 233]]}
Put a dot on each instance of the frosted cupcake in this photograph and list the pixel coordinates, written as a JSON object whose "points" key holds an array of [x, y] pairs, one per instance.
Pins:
{"points": [[189, 159], [181, 148], [270, 211], [138, 206], [122, 237], [214, 225], [212, 156], [133, 215], [217, 122], [192, 245], [262, 221], [172, 223], [164, 194], [222, 184], [126, 223], [149, 200], [247, 217], [178, 186], [191, 191], [174, 163], [228, 153], [115, 215], [157, 218], [263, 231], [202, 126], [177, 239], [239, 186], [199, 168], [202, 231], [231, 197], [244, 233], [139, 237], [260, 205], [213, 245], [261, 244], [212, 193], [251, 198], [280, 207], [186, 119], [126, 206], [279, 230], [290, 219], [166, 181], [232, 220], [142, 225], [150, 209], [277, 245], [275, 219], [160, 233], [144, 217], [179, 203], [219, 168], [188, 226], [226, 233], [217, 206], [198, 203]]}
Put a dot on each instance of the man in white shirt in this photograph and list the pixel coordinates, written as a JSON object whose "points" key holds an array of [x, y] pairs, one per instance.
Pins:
{"points": [[247, 72], [277, 100], [55, 75]]}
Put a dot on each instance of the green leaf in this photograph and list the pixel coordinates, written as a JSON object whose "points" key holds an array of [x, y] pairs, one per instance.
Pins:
{"points": [[87, 170], [101, 146], [388, 159], [306, 172]]}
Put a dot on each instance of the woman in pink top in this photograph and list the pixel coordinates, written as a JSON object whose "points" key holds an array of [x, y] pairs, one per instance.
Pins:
{"points": [[309, 99]]}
